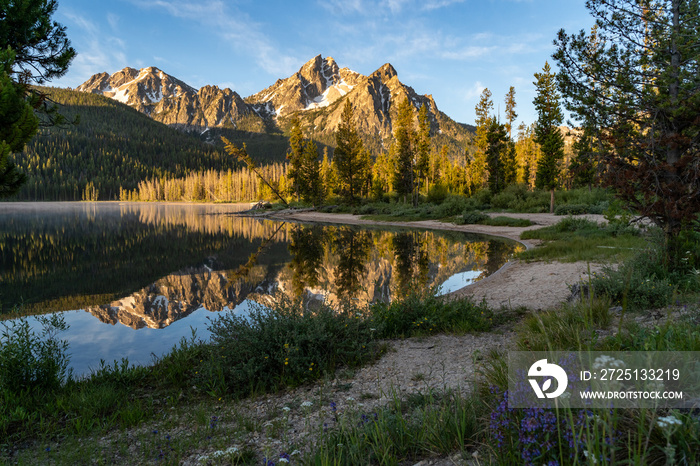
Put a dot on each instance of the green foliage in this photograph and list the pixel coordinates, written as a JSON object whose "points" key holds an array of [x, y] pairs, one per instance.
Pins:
{"points": [[577, 239], [572, 209], [520, 199], [570, 328], [287, 345], [405, 430], [683, 335], [295, 156], [18, 124], [497, 151], [404, 149], [32, 363], [503, 221], [437, 193], [348, 157], [646, 281], [636, 87], [424, 315], [42, 49], [547, 133], [472, 217]]}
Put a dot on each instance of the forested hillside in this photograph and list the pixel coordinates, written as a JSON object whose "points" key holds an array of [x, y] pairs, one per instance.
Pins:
{"points": [[115, 146]]}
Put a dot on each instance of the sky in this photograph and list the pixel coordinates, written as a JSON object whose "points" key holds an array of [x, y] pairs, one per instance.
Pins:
{"points": [[452, 49]]}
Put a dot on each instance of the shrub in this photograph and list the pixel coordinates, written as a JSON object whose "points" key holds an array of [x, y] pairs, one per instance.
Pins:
{"points": [[437, 193], [571, 209], [31, 362], [419, 315], [563, 329], [519, 198], [647, 280], [286, 345], [471, 218], [502, 221]]}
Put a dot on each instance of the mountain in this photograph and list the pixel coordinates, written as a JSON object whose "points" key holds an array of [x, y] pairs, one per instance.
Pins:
{"points": [[112, 146], [167, 99], [316, 93]]}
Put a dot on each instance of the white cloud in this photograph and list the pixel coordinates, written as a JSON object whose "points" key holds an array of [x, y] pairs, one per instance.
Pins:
{"points": [[113, 21], [344, 7], [436, 4], [474, 91]]}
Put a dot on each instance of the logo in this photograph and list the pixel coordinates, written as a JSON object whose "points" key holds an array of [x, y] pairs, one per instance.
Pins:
{"points": [[543, 369]]}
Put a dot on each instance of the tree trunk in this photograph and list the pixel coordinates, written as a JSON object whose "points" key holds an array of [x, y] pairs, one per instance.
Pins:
{"points": [[551, 201]]}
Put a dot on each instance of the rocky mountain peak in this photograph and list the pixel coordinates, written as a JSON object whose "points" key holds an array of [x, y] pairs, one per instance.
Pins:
{"points": [[313, 92], [167, 99], [385, 73]]}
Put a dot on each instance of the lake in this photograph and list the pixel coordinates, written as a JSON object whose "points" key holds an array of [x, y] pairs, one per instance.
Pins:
{"points": [[132, 279]]}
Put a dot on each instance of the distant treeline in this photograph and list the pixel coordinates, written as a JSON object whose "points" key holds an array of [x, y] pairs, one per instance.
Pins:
{"points": [[209, 186]]}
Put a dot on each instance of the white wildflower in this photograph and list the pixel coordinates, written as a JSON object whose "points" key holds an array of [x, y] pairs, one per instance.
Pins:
{"points": [[296, 452], [593, 459], [350, 398], [284, 460], [668, 421], [603, 362], [306, 404]]}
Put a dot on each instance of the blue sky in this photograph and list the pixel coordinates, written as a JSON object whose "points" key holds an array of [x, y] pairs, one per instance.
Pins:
{"points": [[451, 49]]}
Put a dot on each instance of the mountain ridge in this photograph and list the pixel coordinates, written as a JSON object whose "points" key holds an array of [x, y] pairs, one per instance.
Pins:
{"points": [[314, 93]]}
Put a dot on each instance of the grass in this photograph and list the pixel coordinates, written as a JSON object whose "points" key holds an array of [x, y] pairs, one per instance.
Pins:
{"points": [[570, 328], [575, 436], [577, 239], [408, 429], [271, 350]]}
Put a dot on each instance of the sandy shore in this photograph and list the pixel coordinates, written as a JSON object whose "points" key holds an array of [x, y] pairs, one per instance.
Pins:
{"points": [[534, 285]]}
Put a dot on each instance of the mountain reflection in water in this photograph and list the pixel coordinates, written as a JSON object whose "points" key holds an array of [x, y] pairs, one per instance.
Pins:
{"points": [[116, 262]]}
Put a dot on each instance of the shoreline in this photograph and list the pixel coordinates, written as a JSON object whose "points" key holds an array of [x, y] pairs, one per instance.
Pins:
{"points": [[533, 285]]}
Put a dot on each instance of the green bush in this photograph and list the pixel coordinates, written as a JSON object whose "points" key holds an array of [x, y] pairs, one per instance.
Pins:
{"points": [[437, 193], [471, 218], [287, 345], [570, 328], [636, 283], [518, 197], [502, 221], [32, 362], [673, 336], [648, 280], [571, 209], [419, 315]]}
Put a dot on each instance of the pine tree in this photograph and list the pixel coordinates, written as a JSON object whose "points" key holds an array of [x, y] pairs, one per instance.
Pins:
{"points": [[42, 50], [423, 148], [477, 166], [496, 149], [404, 143], [295, 156], [547, 133], [634, 81], [18, 124], [510, 111], [312, 187], [348, 156], [328, 175], [33, 49]]}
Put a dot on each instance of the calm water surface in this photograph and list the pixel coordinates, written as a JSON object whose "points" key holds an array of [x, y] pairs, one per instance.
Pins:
{"points": [[133, 279]]}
